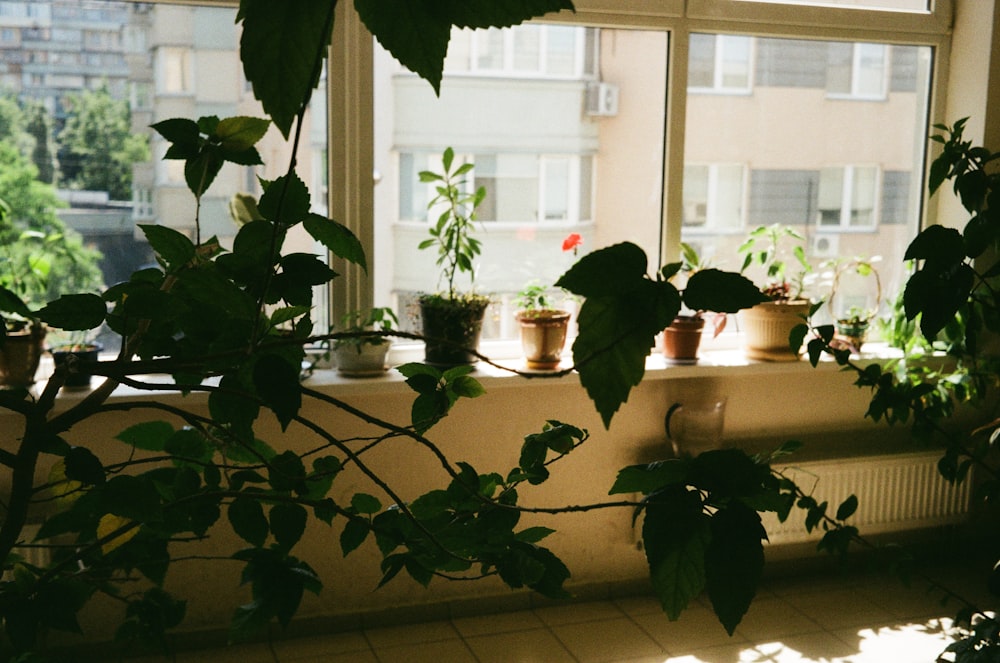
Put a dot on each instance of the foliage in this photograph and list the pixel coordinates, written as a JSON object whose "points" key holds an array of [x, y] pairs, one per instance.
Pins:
{"points": [[451, 233], [764, 248], [97, 145], [366, 327], [534, 297], [40, 258], [952, 298], [240, 318]]}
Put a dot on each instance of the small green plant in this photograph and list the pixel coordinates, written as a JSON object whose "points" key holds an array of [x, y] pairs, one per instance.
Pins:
{"points": [[367, 327], [451, 234], [765, 248]]}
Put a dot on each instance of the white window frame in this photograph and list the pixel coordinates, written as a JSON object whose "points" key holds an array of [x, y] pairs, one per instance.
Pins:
{"points": [[507, 67], [856, 92]]}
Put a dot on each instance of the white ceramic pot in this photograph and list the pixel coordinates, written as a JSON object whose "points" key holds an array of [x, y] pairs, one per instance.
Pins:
{"points": [[362, 360], [766, 328]]}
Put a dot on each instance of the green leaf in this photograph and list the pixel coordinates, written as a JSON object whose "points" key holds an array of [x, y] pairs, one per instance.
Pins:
{"points": [[937, 244], [610, 271], [723, 292], [847, 508], [178, 130], [364, 504], [149, 436], [649, 478], [75, 312], [173, 247], [676, 535], [247, 518], [286, 472], [354, 534], [278, 49], [285, 201], [337, 238], [277, 383], [534, 534], [11, 303], [83, 466], [239, 134], [288, 524], [734, 562], [134, 497]]}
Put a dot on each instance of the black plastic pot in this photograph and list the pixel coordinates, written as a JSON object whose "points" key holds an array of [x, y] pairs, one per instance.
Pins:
{"points": [[451, 329], [71, 355]]}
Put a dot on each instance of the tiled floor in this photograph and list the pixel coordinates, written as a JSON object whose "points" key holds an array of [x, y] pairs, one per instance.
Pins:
{"points": [[861, 618]]}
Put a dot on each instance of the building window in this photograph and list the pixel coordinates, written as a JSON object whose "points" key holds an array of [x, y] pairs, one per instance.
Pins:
{"points": [[847, 197], [720, 63], [530, 49], [713, 197], [858, 70], [175, 71]]}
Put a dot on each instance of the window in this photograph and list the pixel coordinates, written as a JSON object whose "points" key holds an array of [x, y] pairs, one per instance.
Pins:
{"points": [[813, 159], [847, 197], [858, 70], [713, 197], [720, 63], [525, 50], [175, 74]]}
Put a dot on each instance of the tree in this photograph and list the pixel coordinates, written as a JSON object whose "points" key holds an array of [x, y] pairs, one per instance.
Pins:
{"points": [[43, 154], [97, 146], [44, 256]]}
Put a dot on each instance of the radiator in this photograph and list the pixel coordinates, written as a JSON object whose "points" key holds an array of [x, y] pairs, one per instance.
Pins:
{"points": [[895, 492]]}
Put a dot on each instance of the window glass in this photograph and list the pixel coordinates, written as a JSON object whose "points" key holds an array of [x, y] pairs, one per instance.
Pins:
{"points": [[575, 155], [140, 68], [896, 5], [825, 144]]}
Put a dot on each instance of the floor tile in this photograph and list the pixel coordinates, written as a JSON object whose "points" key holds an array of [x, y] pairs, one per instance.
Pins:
{"points": [[773, 618], [904, 643], [729, 653], [533, 646], [840, 608], [575, 613], [696, 628], [500, 623], [450, 651], [606, 640], [392, 636]]}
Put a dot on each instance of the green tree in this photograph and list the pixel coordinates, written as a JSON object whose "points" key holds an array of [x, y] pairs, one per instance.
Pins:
{"points": [[40, 257], [39, 127], [97, 146]]}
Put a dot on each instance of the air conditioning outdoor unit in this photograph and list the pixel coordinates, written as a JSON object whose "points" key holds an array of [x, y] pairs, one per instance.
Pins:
{"points": [[825, 246], [602, 99]]}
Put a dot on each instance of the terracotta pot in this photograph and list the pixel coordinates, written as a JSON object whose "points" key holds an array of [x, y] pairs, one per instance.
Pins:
{"points": [[766, 329], [543, 337], [20, 352], [682, 338]]}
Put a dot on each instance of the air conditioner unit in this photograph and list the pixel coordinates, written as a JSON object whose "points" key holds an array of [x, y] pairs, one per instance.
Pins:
{"points": [[602, 99], [825, 246]]}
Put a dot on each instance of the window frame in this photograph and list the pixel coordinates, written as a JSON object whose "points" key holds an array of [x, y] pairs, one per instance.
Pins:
{"points": [[352, 108]]}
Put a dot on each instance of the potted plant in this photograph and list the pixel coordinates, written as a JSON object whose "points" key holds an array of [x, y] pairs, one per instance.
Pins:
{"points": [[364, 352], [69, 354], [682, 338], [21, 335], [852, 321], [543, 327], [768, 326], [452, 320]]}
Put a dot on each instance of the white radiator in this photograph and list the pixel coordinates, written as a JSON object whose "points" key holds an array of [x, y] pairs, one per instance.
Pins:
{"points": [[895, 492]]}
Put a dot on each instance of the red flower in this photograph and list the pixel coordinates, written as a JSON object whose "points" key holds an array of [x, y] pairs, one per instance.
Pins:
{"points": [[572, 241]]}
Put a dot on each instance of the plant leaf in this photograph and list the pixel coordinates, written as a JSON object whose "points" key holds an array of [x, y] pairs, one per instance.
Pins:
{"points": [[734, 562]]}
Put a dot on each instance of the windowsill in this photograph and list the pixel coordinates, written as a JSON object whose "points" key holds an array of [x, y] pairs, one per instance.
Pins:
{"points": [[509, 373]]}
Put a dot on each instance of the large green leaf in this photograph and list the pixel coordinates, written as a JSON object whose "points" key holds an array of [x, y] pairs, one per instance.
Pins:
{"points": [[75, 312], [248, 520], [288, 523], [676, 535], [279, 47], [277, 383], [734, 562], [337, 237], [11, 303], [286, 200], [150, 435], [610, 271], [646, 479], [616, 335], [723, 292]]}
